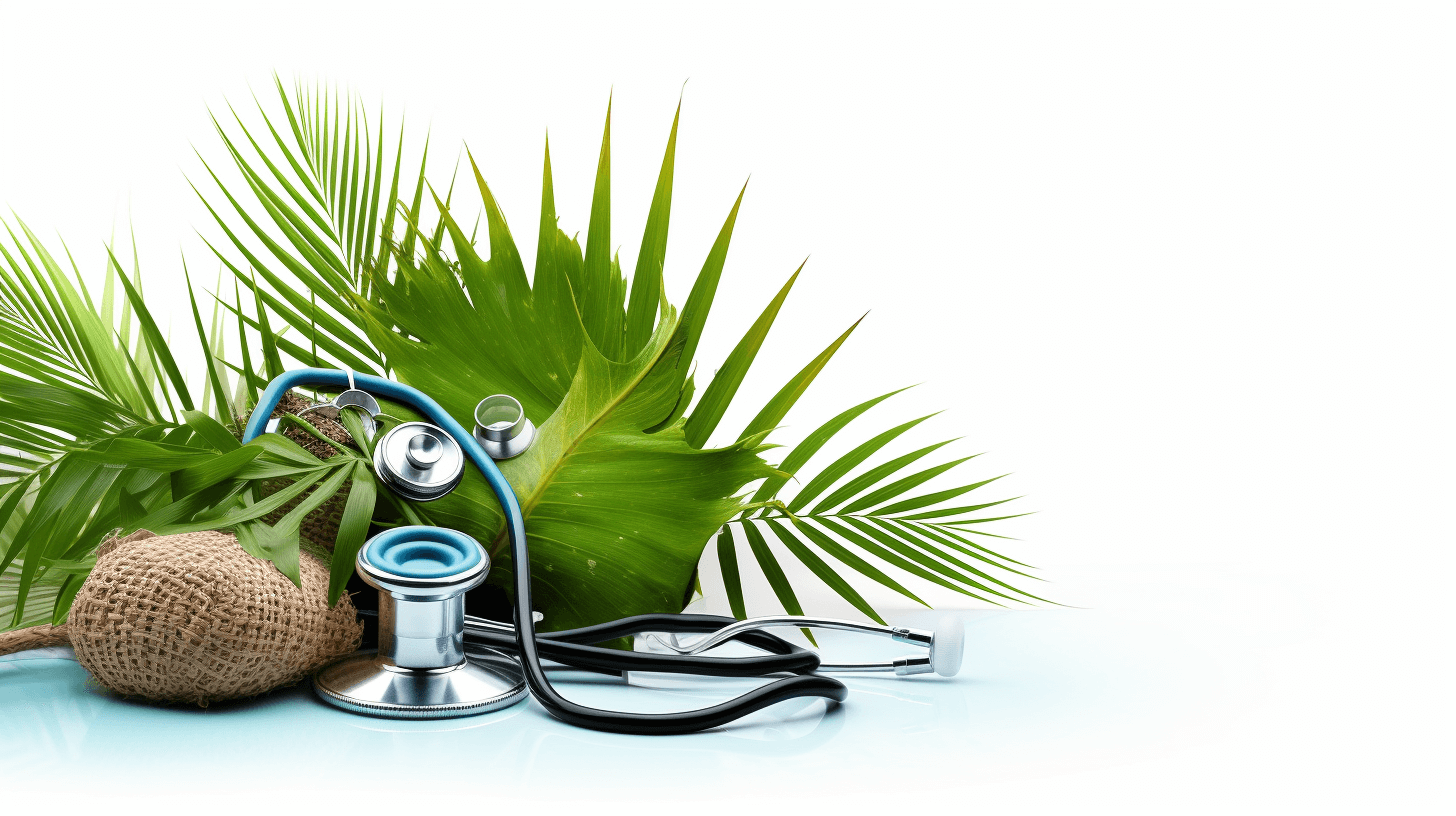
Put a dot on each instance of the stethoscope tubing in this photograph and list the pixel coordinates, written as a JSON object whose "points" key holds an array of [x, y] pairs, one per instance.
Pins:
{"points": [[572, 647]]}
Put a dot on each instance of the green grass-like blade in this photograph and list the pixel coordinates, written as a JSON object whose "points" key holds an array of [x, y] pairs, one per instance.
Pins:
{"points": [[272, 362], [218, 437], [950, 511], [601, 317], [849, 461], [901, 555], [934, 498], [856, 563], [873, 477], [960, 535], [904, 485], [212, 470], [724, 387], [969, 568], [243, 344], [218, 392], [946, 537], [825, 572], [647, 277], [806, 449], [353, 528], [705, 286], [777, 408], [771, 570], [155, 342], [732, 579]]}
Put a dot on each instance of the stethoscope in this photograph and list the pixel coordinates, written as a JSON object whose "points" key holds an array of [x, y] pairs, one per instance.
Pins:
{"points": [[435, 661]]}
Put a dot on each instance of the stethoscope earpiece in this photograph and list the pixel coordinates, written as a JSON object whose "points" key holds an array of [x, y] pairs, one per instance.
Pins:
{"points": [[948, 646]]}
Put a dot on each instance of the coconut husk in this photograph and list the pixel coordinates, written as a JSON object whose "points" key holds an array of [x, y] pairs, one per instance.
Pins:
{"points": [[193, 618]]}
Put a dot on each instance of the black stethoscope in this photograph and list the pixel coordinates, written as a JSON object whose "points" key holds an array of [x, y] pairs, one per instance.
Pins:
{"points": [[435, 661]]}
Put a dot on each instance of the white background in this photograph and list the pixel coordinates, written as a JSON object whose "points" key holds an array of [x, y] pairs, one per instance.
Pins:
{"points": [[1185, 270]]}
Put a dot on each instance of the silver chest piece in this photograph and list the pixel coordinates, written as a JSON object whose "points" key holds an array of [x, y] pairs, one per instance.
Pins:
{"points": [[501, 426], [419, 461], [420, 670]]}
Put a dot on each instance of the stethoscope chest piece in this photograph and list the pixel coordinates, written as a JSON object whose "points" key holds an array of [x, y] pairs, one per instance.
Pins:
{"points": [[419, 461], [420, 670]]}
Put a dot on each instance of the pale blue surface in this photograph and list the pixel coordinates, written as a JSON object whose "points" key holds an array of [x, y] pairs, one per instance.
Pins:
{"points": [[1042, 692]]}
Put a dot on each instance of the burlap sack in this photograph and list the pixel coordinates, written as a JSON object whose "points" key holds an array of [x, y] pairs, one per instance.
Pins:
{"points": [[192, 618], [321, 527]]}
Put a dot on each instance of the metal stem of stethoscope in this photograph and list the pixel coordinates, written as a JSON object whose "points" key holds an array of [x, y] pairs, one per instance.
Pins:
{"points": [[946, 645]]}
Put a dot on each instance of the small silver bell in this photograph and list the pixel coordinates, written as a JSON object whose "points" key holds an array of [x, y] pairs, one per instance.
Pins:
{"points": [[501, 426]]}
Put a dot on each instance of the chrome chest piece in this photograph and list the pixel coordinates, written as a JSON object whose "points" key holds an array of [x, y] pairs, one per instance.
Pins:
{"points": [[420, 670], [419, 461]]}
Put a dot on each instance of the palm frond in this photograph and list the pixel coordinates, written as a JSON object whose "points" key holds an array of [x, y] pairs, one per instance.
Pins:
{"points": [[72, 380], [352, 266], [321, 219], [870, 513]]}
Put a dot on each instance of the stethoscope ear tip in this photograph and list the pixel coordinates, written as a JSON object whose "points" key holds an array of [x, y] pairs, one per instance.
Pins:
{"points": [[948, 646]]}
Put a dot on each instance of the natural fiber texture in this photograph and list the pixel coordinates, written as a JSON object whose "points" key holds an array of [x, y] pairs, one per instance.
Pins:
{"points": [[34, 637], [193, 618], [321, 527], [291, 403]]}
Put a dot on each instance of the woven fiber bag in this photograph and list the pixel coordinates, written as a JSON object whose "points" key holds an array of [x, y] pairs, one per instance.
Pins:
{"points": [[320, 527], [193, 618]]}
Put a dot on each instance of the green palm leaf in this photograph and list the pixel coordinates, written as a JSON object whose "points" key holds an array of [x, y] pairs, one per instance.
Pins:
{"points": [[620, 492], [71, 381]]}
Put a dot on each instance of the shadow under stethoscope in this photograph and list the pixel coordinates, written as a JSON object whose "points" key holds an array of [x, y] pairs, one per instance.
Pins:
{"points": [[791, 728]]}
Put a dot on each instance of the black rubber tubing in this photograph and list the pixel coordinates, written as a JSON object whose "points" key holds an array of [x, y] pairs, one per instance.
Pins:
{"points": [[570, 647], [626, 722]]}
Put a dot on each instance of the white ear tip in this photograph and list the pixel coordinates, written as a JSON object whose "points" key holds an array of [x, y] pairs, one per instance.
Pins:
{"points": [[948, 646]]}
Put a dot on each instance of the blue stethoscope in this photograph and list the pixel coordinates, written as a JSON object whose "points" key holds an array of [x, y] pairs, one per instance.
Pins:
{"points": [[435, 661]]}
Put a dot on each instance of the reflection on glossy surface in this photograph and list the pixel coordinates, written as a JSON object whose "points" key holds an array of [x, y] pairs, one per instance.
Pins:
{"points": [[1041, 692]]}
